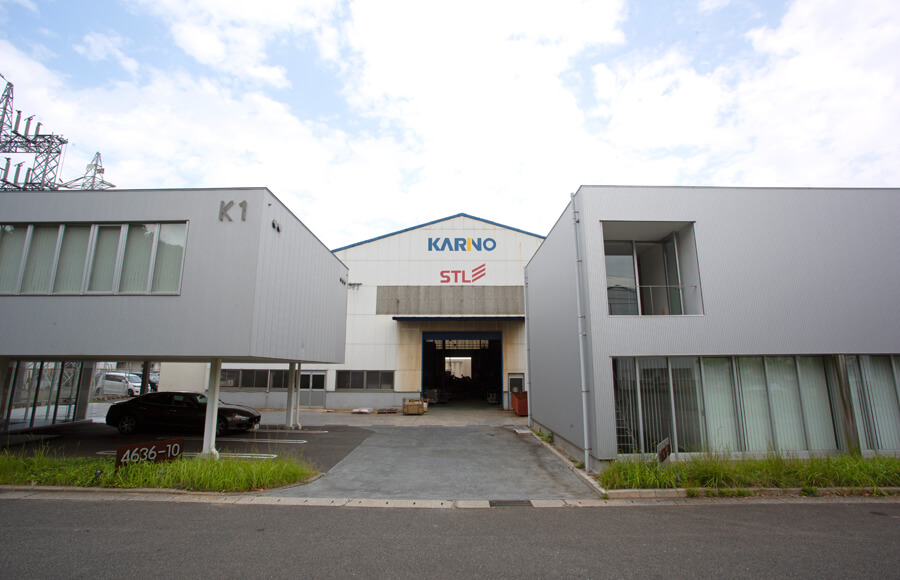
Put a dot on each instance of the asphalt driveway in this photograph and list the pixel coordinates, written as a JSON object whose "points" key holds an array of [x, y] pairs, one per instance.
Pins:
{"points": [[472, 462]]}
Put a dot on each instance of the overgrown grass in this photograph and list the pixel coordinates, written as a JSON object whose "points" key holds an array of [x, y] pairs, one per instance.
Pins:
{"points": [[715, 471], [195, 474]]}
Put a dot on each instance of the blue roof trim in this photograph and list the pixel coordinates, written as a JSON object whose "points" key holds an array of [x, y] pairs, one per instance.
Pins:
{"points": [[465, 215]]}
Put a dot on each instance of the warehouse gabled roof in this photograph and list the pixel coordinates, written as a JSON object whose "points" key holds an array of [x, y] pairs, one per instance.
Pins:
{"points": [[459, 215]]}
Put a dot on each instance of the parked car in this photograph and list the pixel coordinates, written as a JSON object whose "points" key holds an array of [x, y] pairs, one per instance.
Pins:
{"points": [[177, 410], [118, 383]]}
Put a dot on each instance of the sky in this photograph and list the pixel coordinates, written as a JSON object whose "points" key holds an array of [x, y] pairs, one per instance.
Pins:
{"points": [[370, 116]]}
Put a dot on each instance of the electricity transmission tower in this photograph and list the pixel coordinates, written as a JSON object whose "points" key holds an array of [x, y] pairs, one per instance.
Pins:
{"points": [[47, 149], [92, 178]]}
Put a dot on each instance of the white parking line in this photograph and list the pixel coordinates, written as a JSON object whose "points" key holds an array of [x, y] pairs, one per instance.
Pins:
{"points": [[221, 454], [225, 440]]}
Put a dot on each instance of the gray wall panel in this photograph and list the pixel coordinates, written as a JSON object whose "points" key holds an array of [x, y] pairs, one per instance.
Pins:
{"points": [[552, 320], [212, 317]]}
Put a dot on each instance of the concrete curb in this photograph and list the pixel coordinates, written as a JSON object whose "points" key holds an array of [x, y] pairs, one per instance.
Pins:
{"points": [[748, 492], [620, 498]]}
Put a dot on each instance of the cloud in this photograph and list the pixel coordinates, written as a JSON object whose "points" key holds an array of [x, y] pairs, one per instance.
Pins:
{"points": [[96, 46], [814, 104], [232, 36]]}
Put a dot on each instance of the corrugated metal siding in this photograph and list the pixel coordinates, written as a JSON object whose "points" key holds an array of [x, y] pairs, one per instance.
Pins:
{"points": [[552, 321], [301, 292], [212, 317], [472, 300]]}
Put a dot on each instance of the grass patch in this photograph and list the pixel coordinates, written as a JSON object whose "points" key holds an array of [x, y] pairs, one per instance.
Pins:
{"points": [[715, 471], [195, 474], [545, 436]]}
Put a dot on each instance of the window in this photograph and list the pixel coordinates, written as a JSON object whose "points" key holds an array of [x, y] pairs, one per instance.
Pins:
{"points": [[369, 380], [651, 268], [751, 403], [95, 259]]}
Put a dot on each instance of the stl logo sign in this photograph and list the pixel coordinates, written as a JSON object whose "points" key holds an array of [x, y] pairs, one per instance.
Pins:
{"points": [[460, 276]]}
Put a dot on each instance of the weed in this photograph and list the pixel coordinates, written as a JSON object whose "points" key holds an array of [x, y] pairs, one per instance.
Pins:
{"points": [[717, 471], [809, 490], [691, 492], [545, 436]]}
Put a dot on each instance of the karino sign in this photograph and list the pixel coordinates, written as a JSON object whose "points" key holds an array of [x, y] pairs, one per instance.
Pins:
{"points": [[463, 276], [461, 244]]}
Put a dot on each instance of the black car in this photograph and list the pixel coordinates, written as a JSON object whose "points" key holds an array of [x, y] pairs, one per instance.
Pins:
{"points": [[177, 410]]}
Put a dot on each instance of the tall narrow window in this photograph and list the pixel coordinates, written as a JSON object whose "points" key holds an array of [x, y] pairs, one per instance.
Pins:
{"points": [[103, 265], [656, 406], [785, 392], [621, 284], [169, 258], [628, 424], [39, 263], [72, 254], [12, 244], [721, 415], [878, 381], [136, 262], [755, 404], [816, 403], [688, 403]]}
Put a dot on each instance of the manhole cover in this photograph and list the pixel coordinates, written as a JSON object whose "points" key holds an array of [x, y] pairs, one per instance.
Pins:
{"points": [[510, 503]]}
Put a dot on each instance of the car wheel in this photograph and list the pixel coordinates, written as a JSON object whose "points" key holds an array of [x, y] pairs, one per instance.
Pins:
{"points": [[99, 390], [130, 392], [221, 427], [127, 424]]}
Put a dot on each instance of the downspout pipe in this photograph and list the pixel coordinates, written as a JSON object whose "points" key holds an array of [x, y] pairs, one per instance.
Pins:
{"points": [[581, 337]]}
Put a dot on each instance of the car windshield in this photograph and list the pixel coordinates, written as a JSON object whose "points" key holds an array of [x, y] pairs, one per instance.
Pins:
{"points": [[133, 378], [201, 399]]}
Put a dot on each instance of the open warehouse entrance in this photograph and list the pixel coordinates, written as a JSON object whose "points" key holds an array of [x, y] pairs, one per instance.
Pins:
{"points": [[462, 369]]}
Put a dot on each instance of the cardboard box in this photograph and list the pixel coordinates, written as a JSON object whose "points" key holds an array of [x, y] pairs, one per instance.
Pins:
{"points": [[413, 407]]}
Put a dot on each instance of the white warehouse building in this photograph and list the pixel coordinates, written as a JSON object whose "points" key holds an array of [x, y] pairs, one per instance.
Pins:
{"points": [[435, 311]]}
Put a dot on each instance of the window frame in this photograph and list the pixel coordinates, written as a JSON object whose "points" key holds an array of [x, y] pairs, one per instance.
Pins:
{"points": [[88, 267]]}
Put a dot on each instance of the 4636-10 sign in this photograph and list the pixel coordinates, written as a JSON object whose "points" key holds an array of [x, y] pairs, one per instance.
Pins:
{"points": [[154, 451]]}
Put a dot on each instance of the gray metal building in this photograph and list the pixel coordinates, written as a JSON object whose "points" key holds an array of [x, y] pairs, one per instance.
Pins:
{"points": [[739, 320], [205, 275]]}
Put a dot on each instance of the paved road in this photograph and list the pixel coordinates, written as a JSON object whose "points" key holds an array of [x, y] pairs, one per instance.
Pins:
{"points": [[703, 539]]}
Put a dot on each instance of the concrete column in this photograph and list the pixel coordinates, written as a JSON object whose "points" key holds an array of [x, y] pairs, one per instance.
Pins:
{"points": [[297, 383], [212, 410], [145, 377], [289, 407], [85, 378]]}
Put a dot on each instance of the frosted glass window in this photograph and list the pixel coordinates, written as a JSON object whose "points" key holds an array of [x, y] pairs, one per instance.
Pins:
{"points": [[688, 403], [106, 250], [72, 254], [755, 404], [169, 258], [628, 426], [860, 404], [39, 263], [136, 261], [785, 393], [12, 243], [721, 415], [816, 403], [882, 398], [656, 406]]}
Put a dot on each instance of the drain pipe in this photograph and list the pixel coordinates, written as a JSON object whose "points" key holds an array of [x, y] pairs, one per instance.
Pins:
{"points": [[581, 335]]}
